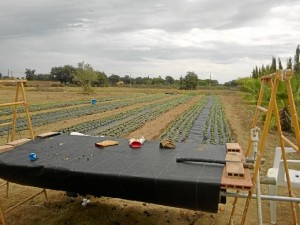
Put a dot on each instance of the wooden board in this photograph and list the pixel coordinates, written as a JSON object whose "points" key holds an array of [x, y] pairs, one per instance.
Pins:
{"points": [[48, 134], [244, 183], [5, 148], [18, 142]]}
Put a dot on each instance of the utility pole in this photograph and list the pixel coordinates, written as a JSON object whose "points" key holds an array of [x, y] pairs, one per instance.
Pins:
{"points": [[209, 80]]}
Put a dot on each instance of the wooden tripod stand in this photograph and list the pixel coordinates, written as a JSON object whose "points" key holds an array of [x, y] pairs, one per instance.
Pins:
{"points": [[273, 81]]}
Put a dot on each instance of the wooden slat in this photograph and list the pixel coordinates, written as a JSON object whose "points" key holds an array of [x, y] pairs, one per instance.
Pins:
{"points": [[11, 103], [5, 148], [262, 108], [290, 143], [5, 124], [48, 134], [13, 81], [18, 142], [24, 201]]}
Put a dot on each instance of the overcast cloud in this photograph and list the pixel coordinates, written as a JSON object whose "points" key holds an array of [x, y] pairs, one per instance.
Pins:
{"points": [[138, 37]]}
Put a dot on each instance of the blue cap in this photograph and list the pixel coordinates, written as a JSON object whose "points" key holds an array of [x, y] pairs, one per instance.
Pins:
{"points": [[32, 156]]}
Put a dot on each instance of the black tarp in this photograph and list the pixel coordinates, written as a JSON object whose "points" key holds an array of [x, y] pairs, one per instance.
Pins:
{"points": [[149, 174]]}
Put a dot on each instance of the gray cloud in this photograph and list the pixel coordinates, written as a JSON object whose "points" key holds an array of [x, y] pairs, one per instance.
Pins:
{"points": [[148, 36]]}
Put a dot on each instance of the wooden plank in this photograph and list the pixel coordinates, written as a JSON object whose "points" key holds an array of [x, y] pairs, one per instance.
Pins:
{"points": [[233, 147], [235, 169], [13, 81], [5, 124], [244, 183], [11, 104], [5, 148], [18, 142], [48, 134]]}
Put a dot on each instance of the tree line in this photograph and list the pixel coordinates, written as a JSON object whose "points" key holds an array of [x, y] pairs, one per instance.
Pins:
{"points": [[85, 76]]}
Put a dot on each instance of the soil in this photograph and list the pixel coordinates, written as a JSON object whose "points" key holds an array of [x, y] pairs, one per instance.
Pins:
{"points": [[61, 209]]}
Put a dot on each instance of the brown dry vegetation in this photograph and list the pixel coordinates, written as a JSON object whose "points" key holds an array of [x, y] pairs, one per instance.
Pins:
{"points": [[110, 211]]}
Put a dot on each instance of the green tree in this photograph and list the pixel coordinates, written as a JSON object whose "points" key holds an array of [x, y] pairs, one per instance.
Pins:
{"points": [[64, 74], [1, 76], [147, 81], [139, 81], [263, 70], [85, 76], [203, 83], [268, 70], [190, 81], [102, 79], [126, 79], [279, 64], [114, 79], [254, 74], [273, 65], [296, 59], [297, 65], [158, 81], [289, 63], [29, 73], [170, 80]]}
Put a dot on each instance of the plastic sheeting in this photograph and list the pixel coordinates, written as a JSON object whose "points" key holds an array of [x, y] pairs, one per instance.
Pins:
{"points": [[148, 174]]}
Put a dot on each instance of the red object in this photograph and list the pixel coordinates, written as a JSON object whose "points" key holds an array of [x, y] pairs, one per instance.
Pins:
{"points": [[135, 144]]}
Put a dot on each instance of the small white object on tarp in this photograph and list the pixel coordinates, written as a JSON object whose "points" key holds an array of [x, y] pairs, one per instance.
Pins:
{"points": [[136, 143], [85, 201]]}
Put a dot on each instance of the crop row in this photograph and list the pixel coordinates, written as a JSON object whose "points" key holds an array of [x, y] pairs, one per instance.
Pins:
{"points": [[63, 114], [126, 122], [180, 129], [134, 123], [216, 129], [54, 105]]}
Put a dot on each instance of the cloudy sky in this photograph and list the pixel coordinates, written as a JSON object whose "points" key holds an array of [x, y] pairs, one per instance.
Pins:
{"points": [[226, 39]]}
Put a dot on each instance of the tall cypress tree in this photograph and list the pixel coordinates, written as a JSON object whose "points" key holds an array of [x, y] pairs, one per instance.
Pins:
{"points": [[279, 64], [273, 65], [289, 63], [296, 60]]}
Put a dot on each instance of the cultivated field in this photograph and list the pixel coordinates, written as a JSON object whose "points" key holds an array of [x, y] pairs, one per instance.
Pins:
{"points": [[220, 115]]}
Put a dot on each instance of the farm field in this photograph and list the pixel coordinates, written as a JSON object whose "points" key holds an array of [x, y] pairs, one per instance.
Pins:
{"points": [[204, 116]]}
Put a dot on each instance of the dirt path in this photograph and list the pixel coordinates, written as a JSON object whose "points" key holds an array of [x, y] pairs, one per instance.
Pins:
{"points": [[154, 128]]}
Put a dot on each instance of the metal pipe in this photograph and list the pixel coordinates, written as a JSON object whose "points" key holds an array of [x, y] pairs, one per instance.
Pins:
{"points": [[216, 161], [263, 197]]}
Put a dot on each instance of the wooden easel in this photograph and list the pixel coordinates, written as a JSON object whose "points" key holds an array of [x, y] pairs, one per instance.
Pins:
{"points": [[273, 81], [18, 101], [23, 102]]}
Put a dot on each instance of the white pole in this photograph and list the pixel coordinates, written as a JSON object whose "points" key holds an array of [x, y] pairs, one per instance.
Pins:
{"points": [[254, 138]]}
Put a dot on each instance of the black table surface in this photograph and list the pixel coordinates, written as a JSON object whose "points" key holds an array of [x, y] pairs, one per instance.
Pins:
{"points": [[148, 174]]}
